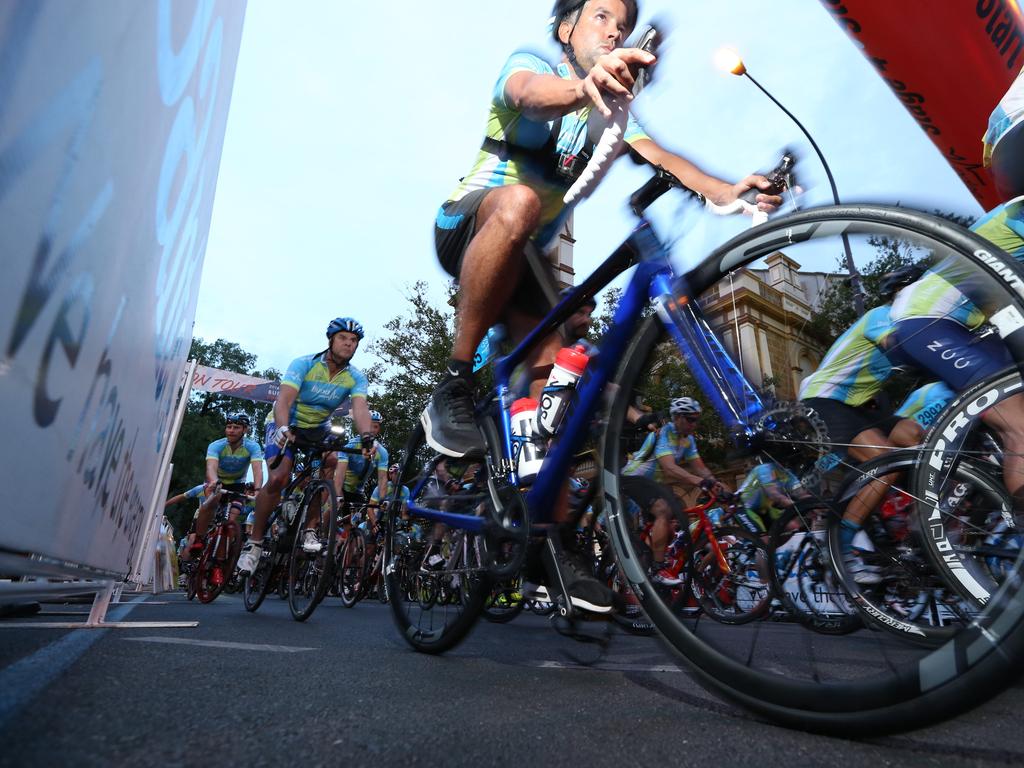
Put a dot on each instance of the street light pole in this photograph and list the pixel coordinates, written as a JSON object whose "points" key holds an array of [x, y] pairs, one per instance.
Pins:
{"points": [[731, 61]]}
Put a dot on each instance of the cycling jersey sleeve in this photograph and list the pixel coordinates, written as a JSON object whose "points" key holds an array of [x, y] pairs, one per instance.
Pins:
{"points": [[195, 491], [214, 449], [296, 373], [688, 449], [382, 457], [665, 444], [255, 449], [360, 384], [520, 61]]}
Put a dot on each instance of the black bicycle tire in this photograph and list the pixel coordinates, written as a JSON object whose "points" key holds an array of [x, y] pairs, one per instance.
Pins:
{"points": [[206, 559], [451, 635], [824, 623], [315, 489], [744, 617], [356, 540], [959, 571], [503, 615], [945, 683], [873, 614], [265, 565]]}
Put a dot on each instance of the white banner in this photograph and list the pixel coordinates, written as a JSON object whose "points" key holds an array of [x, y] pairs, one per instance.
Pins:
{"points": [[207, 379], [112, 117]]}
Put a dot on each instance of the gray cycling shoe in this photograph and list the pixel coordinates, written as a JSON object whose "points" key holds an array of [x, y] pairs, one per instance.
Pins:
{"points": [[448, 420]]}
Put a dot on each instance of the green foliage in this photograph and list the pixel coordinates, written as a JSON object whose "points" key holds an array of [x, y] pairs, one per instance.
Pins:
{"points": [[413, 357], [204, 421], [836, 311]]}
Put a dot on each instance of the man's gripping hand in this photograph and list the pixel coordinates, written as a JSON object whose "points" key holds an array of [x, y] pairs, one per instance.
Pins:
{"points": [[614, 73]]}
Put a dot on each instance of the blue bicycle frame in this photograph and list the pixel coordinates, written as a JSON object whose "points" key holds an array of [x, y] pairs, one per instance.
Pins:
{"points": [[720, 380]]}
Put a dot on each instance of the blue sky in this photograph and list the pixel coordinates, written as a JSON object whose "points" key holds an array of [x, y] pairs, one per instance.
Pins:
{"points": [[351, 123]]}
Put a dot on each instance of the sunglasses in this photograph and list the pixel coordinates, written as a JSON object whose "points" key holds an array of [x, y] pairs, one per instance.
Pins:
{"points": [[692, 419]]}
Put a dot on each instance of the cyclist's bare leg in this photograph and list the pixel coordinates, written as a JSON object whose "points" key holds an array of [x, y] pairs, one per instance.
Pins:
{"points": [[867, 445], [661, 529], [493, 262], [205, 513], [1007, 419], [315, 511], [906, 434], [269, 497]]}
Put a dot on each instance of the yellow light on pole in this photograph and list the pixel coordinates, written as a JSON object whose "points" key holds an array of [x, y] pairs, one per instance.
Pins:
{"points": [[728, 60]]}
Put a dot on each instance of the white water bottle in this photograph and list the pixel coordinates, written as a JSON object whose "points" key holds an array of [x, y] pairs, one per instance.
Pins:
{"points": [[569, 366], [527, 453]]}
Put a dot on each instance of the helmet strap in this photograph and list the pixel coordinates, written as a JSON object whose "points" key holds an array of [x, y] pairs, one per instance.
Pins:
{"points": [[570, 53]]}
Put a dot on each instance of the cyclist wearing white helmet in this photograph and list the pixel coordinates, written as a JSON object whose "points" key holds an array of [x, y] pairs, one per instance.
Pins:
{"points": [[677, 464], [312, 388]]}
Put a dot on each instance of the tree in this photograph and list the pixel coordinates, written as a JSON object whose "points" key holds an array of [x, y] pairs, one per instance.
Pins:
{"points": [[836, 312], [204, 420], [413, 356]]}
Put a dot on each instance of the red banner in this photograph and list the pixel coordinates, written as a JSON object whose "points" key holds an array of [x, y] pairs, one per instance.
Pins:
{"points": [[949, 62]]}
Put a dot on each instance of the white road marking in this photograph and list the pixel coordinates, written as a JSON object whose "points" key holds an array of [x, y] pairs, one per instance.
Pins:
{"points": [[607, 666], [220, 644]]}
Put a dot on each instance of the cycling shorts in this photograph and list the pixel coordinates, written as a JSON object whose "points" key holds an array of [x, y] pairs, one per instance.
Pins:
{"points": [[455, 227], [312, 434], [844, 422], [948, 350], [1008, 163]]}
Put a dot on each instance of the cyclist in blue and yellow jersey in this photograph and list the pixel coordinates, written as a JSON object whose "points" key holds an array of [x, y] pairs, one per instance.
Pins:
{"points": [[649, 423], [375, 497], [353, 470], [197, 492], [536, 144], [765, 492], [917, 412], [312, 388], [227, 463], [935, 328], [848, 378], [676, 463]]}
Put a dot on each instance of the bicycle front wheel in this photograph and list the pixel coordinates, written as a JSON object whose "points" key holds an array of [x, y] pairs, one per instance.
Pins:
{"points": [[310, 572], [436, 591], [836, 683]]}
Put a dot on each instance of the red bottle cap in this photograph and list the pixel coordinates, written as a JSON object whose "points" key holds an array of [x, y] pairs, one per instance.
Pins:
{"points": [[572, 359], [524, 404]]}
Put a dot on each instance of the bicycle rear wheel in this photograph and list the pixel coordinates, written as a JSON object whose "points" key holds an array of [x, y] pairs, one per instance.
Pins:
{"points": [[353, 567], [743, 593], [310, 573], [421, 577], [839, 684], [211, 573], [257, 583]]}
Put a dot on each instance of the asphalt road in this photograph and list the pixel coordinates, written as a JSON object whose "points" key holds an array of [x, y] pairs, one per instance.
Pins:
{"points": [[260, 689]]}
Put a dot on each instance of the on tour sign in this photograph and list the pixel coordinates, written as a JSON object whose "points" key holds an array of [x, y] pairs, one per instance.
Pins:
{"points": [[949, 62]]}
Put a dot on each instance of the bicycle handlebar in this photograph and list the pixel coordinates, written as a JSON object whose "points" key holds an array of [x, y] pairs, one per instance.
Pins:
{"points": [[330, 444], [612, 138]]}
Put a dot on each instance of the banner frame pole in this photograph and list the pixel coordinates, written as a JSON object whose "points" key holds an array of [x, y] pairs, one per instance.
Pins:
{"points": [[165, 460]]}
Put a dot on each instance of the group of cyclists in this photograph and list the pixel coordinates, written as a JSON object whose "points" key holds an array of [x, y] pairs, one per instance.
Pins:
{"points": [[539, 136]]}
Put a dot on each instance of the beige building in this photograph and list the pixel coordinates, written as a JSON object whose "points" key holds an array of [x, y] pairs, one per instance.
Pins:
{"points": [[767, 310]]}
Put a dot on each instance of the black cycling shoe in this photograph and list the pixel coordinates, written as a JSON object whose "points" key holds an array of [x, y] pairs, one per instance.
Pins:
{"points": [[448, 420], [586, 592]]}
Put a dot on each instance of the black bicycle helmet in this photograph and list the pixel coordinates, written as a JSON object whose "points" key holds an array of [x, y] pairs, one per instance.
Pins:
{"points": [[893, 282], [344, 324], [238, 418]]}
